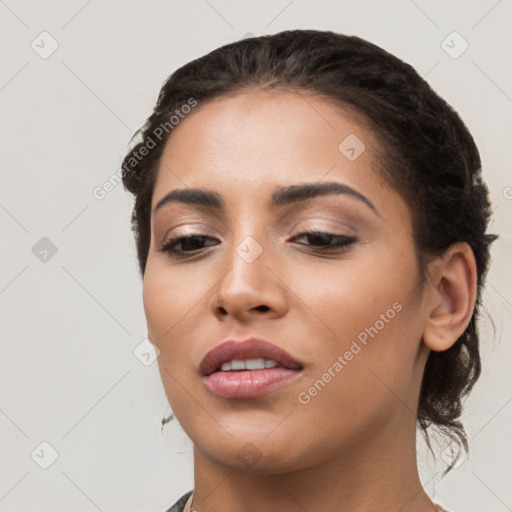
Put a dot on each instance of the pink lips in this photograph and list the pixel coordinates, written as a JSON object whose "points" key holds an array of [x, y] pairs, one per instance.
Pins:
{"points": [[242, 384]]}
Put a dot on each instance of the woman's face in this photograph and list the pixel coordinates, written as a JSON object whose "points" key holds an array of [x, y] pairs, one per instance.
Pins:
{"points": [[353, 316]]}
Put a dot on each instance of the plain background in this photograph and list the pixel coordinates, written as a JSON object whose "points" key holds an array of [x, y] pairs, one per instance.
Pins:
{"points": [[71, 321]]}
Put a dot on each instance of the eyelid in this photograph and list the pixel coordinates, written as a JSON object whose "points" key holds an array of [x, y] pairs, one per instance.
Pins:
{"points": [[329, 220], [334, 227], [190, 229]]}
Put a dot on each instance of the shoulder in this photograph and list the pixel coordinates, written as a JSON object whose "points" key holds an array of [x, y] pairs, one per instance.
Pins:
{"points": [[178, 506]]}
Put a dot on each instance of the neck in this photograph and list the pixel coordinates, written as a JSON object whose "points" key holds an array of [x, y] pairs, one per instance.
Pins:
{"points": [[371, 475]]}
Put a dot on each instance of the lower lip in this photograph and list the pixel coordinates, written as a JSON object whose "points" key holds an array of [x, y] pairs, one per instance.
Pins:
{"points": [[249, 383]]}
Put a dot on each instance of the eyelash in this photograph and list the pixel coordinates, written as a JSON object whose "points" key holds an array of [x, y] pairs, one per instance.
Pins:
{"points": [[343, 243]]}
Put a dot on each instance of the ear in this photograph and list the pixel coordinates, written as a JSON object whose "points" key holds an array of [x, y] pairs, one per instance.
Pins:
{"points": [[452, 295]]}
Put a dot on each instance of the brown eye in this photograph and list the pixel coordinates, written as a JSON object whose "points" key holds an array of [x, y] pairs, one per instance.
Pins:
{"points": [[326, 241], [188, 244]]}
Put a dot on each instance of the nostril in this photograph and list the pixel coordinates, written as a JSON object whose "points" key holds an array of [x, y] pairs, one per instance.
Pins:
{"points": [[263, 308]]}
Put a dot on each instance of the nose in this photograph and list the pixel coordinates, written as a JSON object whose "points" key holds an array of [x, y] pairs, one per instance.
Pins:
{"points": [[251, 287]]}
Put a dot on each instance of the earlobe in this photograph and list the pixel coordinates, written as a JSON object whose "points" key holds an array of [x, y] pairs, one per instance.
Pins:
{"points": [[452, 288]]}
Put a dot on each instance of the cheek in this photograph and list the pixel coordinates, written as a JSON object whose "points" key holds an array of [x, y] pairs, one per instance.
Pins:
{"points": [[169, 300], [348, 295], [363, 379], [366, 312], [170, 297], [176, 310]]}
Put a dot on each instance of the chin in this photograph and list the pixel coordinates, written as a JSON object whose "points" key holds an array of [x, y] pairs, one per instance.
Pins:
{"points": [[256, 454]]}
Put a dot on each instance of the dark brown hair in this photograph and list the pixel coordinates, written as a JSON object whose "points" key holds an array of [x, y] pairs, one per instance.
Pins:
{"points": [[427, 155]]}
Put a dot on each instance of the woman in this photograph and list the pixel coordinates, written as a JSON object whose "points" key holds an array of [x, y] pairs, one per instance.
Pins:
{"points": [[310, 221]]}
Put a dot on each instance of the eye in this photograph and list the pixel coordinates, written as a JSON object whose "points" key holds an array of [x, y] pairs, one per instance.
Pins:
{"points": [[188, 244], [324, 241], [319, 240]]}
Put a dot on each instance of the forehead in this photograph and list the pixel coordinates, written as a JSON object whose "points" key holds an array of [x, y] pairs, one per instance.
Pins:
{"points": [[251, 142]]}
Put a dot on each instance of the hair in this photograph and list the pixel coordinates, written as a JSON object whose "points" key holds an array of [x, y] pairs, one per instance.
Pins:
{"points": [[426, 154]]}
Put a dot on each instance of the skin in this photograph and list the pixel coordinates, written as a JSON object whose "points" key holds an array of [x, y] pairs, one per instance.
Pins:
{"points": [[352, 447]]}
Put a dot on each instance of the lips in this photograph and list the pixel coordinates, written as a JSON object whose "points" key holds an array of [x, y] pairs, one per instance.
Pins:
{"points": [[251, 348], [248, 383]]}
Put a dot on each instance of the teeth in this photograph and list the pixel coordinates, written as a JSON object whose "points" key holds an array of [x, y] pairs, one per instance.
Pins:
{"points": [[248, 364], [237, 365], [252, 364]]}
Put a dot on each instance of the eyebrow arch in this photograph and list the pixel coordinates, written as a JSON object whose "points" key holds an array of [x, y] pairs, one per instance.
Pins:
{"points": [[280, 197]]}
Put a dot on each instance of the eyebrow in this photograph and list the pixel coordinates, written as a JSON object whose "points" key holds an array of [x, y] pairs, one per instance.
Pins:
{"points": [[280, 197]]}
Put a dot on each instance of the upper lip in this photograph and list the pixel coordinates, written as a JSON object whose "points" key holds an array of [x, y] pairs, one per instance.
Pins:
{"points": [[250, 348]]}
